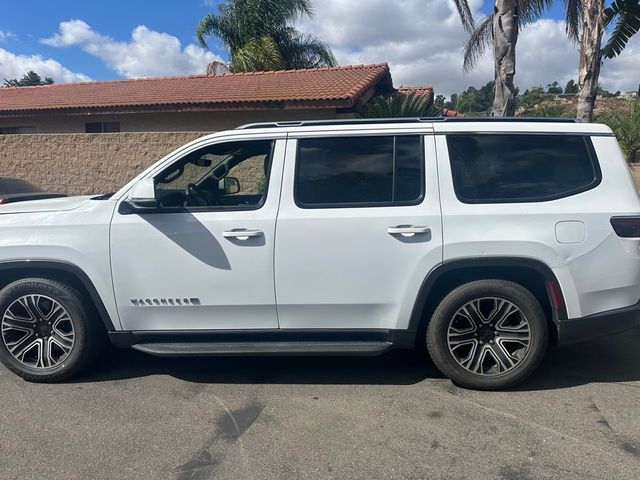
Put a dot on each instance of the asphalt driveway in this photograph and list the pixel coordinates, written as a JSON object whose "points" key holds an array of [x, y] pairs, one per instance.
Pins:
{"points": [[138, 417]]}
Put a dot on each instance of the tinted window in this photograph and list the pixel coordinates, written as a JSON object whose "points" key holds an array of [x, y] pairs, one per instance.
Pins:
{"points": [[102, 127], [16, 130], [519, 168], [369, 171], [93, 127], [224, 175], [111, 127]]}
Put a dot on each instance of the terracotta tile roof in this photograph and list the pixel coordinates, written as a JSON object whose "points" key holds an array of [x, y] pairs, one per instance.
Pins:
{"points": [[451, 113], [420, 90], [336, 87], [428, 90]]}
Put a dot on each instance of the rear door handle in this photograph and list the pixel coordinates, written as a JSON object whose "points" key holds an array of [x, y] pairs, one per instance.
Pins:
{"points": [[409, 230], [242, 234]]}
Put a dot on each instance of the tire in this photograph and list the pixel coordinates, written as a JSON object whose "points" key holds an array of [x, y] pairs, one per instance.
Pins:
{"points": [[40, 316], [488, 334]]}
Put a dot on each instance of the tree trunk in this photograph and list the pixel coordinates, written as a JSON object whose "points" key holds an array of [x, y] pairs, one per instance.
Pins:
{"points": [[590, 57], [505, 37]]}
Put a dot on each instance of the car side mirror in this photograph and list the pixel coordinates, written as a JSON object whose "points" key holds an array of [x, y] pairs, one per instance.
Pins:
{"points": [[143, 195], [231, 185]]}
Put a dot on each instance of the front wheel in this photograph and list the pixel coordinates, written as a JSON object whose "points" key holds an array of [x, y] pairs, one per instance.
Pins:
{"points": [[45, 333], [488, 334]]}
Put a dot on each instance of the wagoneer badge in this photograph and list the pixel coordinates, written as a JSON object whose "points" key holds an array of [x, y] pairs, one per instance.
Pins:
{"points": [[176, 302]]}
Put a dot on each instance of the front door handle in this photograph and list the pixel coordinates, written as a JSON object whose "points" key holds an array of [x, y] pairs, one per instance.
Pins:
{"points": [[242, 233], [408, 230]]}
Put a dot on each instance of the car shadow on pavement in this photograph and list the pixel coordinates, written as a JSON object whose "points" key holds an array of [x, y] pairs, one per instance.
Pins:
{"points": [[395, 368], [611, 359], [605, 360]]}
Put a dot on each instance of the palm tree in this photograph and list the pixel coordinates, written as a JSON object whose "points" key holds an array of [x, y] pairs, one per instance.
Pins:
{"points": [[500, 29], [398, 105], [586, 21], [259, 36]]}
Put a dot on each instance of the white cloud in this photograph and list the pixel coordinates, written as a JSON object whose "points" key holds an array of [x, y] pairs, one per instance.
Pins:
{"points": [[4, 36], [544, 55], [623, 72], [423, 44], [147, 54], [15, 66]]}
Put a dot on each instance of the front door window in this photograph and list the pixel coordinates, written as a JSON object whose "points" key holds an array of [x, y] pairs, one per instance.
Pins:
{"points": [[227, 175]]}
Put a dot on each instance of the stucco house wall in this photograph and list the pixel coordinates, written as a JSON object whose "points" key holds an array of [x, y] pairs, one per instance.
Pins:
{"points": [[79, 164]]}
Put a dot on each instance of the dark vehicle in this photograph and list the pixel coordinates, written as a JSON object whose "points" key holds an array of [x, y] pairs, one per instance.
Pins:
{"points": [[15, 190]]}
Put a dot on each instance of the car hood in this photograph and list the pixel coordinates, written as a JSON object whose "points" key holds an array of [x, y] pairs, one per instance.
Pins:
{"points": [[46, 205]]}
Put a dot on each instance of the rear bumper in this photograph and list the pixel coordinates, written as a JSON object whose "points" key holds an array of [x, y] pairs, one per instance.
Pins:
{"points": [[598, 324]]}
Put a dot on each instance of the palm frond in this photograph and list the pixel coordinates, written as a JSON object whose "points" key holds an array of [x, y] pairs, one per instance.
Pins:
{"points": [[626, 14], [478, 42], [531, 10], [466, 17], [288, 11], [257, 55], [224, 26], [573, 19], [398, 105], [303, 51], [207, 26], [249, 28]]}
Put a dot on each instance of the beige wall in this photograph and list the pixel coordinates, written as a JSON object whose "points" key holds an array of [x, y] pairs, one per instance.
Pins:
{"points": [[60, 157], [164, 122], [78, 164]]}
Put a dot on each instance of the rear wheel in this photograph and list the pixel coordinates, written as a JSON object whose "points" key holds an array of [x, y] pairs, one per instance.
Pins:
{"points": [[488, 334], [45, 333]]}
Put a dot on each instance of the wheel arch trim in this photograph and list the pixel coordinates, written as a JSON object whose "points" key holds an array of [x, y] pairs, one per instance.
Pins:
{"points": [[74, 270], [431, 280]]}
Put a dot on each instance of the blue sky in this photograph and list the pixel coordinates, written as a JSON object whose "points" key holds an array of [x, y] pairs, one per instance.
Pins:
{"points": [[115, 18], [420, 39]]}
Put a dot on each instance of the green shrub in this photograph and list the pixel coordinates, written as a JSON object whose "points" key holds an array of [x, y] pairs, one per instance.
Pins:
{"points": [[395, 106], [626, 126], [551, 110]]}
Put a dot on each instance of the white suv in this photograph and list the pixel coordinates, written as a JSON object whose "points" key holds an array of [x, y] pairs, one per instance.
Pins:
{"points": [[485, 240]]}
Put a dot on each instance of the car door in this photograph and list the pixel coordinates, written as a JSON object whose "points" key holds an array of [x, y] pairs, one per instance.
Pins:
{"points": [[203, 259], [358, 229]]}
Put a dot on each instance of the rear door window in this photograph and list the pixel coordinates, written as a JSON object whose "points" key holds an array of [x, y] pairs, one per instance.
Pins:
{"points": [[365, 171], [500, 168]]}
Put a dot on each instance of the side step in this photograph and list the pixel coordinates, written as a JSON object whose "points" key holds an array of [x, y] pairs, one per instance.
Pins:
{"points": [[221, 349]]}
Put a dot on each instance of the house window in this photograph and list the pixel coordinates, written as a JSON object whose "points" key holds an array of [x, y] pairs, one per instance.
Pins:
{"points": [[16, 130], [102, 127]]}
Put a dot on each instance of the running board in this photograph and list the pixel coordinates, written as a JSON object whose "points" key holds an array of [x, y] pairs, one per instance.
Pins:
{"points": [[221, 349]]}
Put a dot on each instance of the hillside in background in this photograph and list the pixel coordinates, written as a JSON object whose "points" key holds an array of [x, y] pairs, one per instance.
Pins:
{"points": [[550, 101], [550, 105]]}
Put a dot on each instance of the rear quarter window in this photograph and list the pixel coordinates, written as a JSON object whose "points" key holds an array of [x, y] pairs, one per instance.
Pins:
{"points": [[512, 168]]}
